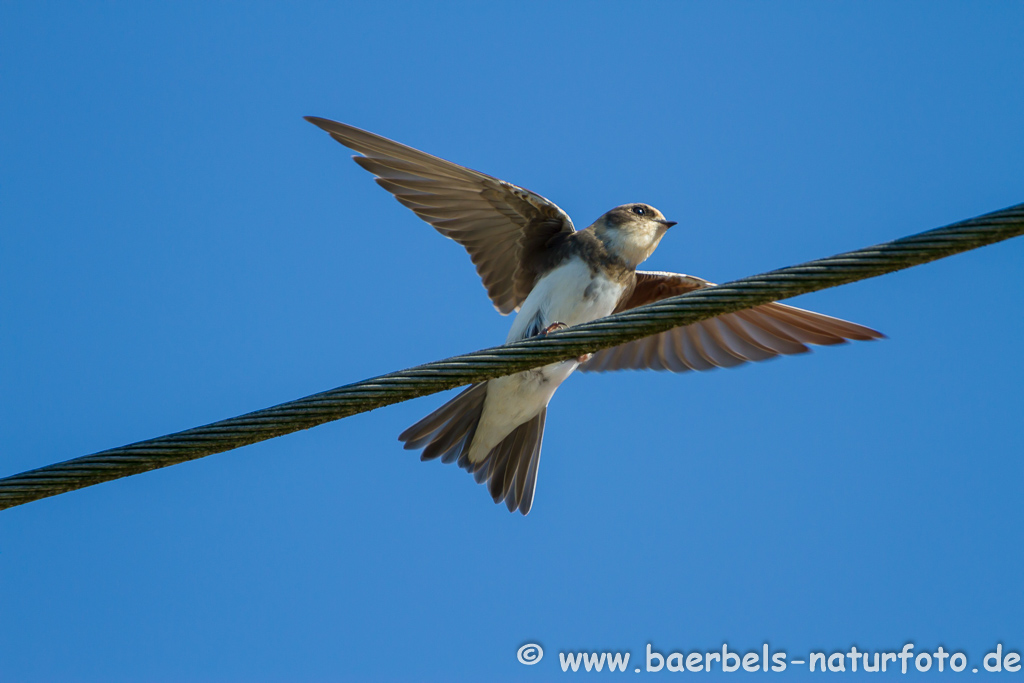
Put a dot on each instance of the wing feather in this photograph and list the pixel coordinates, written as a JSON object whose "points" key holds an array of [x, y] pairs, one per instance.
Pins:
{"points": [[753, 334], [504, 227]]}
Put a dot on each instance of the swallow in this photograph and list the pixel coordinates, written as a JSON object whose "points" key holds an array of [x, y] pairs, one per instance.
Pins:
{"points": [[535, 263]]}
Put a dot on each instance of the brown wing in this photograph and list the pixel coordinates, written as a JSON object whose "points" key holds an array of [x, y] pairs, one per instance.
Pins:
{"points": [[753, 334], [505, 228]]}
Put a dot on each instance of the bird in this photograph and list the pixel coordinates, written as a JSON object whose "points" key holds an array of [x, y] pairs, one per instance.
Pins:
{"points": [[533, 262]]}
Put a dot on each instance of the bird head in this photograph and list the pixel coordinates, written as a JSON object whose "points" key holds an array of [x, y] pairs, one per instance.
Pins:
{"points": [[632, 232]]}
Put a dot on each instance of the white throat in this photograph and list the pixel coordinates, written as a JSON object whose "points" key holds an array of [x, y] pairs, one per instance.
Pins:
{"points": [[632, 246]]}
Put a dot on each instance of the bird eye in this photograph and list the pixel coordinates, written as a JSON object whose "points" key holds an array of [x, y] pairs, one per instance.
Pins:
{"points": [[639, 211]]}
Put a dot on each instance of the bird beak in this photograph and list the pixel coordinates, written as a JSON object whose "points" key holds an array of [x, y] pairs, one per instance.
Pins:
{"points": [[668, 224]]}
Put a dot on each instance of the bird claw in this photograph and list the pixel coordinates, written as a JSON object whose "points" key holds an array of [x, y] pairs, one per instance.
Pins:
{"points": [[553, 327]]}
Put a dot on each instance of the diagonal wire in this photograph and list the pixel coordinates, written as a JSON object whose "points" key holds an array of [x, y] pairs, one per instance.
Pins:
{"points": [[504, 360]]}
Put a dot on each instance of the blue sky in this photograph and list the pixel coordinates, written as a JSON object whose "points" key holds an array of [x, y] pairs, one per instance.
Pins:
{"points": [[179, 246]]}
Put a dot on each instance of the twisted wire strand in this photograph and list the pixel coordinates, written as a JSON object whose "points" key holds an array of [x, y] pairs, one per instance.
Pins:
{"points": [[504, 360]]}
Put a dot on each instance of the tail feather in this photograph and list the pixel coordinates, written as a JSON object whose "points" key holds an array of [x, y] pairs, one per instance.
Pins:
{"points": [[509, 470], [447, 443], [529, 487], [504, 456], [520, 475], [442, 421], [513, 465]]}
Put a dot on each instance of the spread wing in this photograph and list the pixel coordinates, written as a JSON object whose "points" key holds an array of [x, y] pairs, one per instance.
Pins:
{"points": [[753, 334], [505, 228]]}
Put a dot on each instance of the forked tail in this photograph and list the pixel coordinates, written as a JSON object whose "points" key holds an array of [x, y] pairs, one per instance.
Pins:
{"points": [[510, 469]]}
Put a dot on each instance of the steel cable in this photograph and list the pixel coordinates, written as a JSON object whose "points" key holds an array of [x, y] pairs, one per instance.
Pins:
{"points": [[504, 360]]}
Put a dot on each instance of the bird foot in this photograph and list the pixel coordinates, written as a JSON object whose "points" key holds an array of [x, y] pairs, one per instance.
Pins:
{"points": [[553, 327], [584, 358]]}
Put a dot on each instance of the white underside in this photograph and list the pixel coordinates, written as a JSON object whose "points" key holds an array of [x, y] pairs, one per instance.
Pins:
{"points": [[569, 294]]}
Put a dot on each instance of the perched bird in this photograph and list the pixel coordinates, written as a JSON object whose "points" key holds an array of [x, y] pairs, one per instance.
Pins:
{"points": [[533, 261]]}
